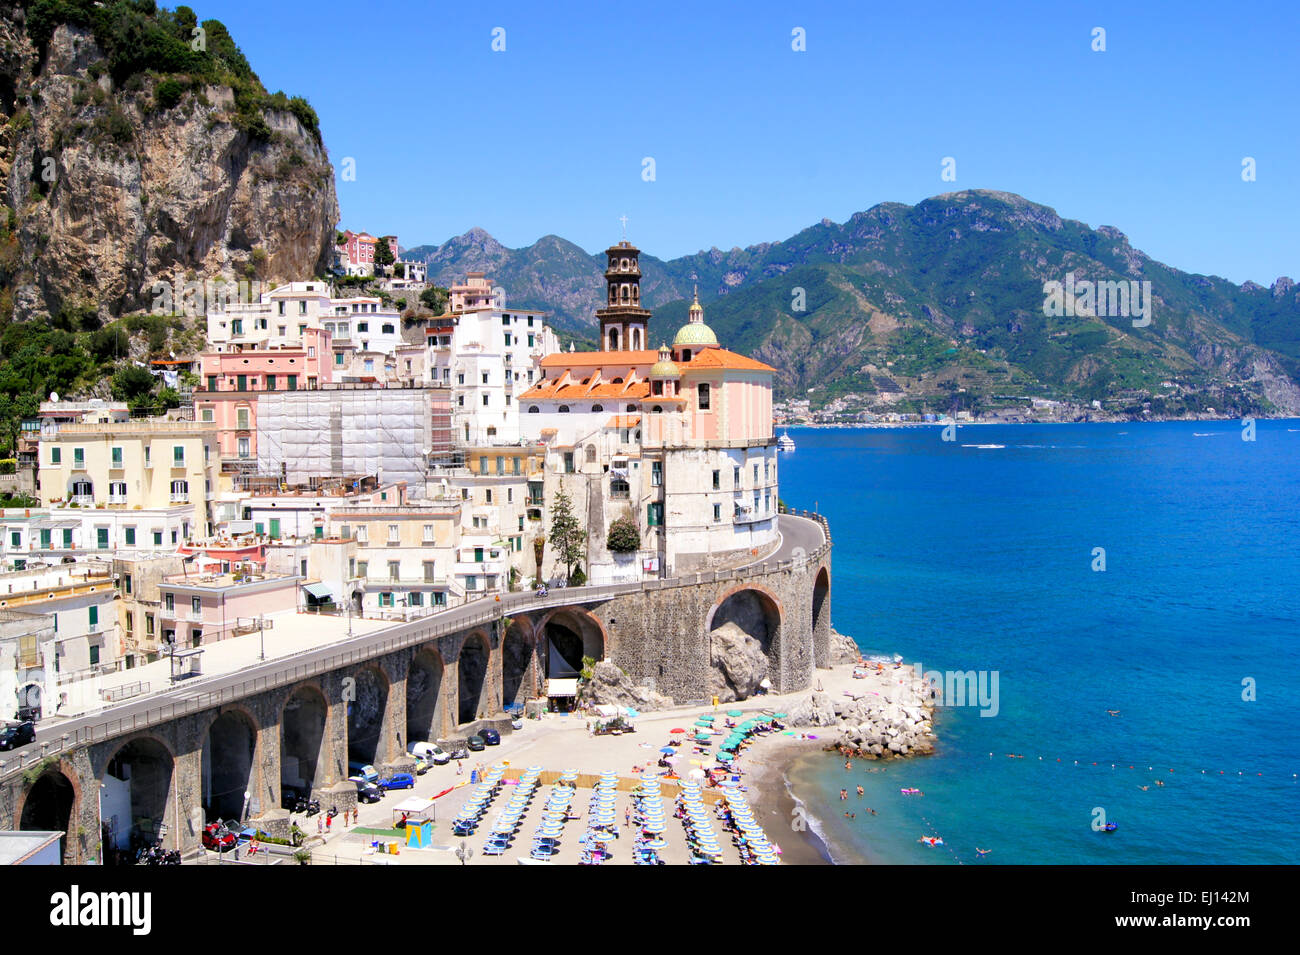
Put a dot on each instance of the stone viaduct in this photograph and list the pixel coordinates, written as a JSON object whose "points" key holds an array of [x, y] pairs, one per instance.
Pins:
{"points": [[161, 768]]}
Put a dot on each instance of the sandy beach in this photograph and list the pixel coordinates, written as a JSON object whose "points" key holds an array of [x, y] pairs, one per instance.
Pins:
{"points": [[562, 742]]}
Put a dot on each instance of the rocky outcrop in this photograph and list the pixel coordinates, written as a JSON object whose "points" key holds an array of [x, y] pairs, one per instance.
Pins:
{"points": [[874, 725], [115, 188], [843, 649], [610, 685], [739, 663]]}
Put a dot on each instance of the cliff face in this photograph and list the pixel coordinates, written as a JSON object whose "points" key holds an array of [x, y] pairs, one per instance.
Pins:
{"points": [[113, 188]]}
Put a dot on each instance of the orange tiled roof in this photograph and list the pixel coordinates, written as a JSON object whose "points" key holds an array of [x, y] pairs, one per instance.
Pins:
{"points": [[586, 359], [721, 358], [623, 421], [553, 388]]}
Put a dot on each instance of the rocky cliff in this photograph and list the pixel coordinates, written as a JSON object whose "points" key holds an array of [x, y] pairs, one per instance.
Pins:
{"points": [[119, 172]]}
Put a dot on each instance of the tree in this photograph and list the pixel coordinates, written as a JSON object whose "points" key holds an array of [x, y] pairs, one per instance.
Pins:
{"points": [[13, 409], [132, 382], [539, 548], [624, 536], [383, 254], [434, 298], [567, 535]]}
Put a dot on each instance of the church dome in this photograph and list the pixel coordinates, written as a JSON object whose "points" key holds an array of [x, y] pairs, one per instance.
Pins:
{"points": [[664, 367], [695, 333]]}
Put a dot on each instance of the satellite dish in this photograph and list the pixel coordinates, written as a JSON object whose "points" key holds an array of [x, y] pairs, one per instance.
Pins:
{"points": [[54, 396]]}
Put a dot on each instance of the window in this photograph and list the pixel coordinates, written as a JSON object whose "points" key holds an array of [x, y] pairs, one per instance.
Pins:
{"points": [[428, 570], [241, 418], [439, 599], [169, 602], [212, 382], [755, 473], [394, 534], [483, 464], [702, 395], [56, 455], [363, 326], [394, 570], [389, 330], [148, 624], [178, 455], [243, 447], [735, 476], [180, 492], [515, 461], [532, 409], [311, 351], [717, 513], [338, 358], [293, 382], [363, 568], [45, 539], [130, 619], [196, 606], [130, 537], [117, 457], [654, 514], [428, 533], [568, 462], [415, 599], [101, 538], [206, 414], [717, 480], [386, 598], [471, 582], [270, 382], [487, 495], [94, 652], [485, 401], [157, 538], [656, 473], [78, 457], [242, 382], [302, 310], [501, 464], [564, 409]]}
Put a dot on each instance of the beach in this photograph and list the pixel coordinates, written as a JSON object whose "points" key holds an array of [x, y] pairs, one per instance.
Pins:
{"points": [[560, 742]]}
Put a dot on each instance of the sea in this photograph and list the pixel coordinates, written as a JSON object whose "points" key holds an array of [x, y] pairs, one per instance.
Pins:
{"points": [[1134, 590]]}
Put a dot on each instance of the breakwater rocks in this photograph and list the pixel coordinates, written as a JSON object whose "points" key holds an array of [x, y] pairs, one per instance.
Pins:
{"points": [[890, 715]]}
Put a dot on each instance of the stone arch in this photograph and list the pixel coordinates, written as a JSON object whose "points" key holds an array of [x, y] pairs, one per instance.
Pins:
{"points": [[471, 676], [821, 618], [228, 763], [137, 792], [517, 657], [366, 714], [424, 696], [304, 746], [52, 804], [744, 629], [566, 635]]}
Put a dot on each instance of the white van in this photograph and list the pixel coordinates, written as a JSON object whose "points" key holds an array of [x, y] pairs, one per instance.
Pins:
{"points": [[429, 752]]}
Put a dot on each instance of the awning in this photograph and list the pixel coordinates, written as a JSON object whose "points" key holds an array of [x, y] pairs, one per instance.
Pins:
{"points": [[562, 687], [319, 591]]}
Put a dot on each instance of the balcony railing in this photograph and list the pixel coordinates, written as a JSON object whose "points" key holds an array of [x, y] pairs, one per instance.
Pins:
{"points": [[117, 499], [83, 500], [180, 498]]}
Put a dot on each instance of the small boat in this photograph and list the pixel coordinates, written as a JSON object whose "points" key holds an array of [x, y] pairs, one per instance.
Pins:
{"points": [[785, 442], [1110, 827]]}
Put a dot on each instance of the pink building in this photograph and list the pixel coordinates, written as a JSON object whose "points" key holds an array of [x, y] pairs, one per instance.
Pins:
{"points": [[199, 608], [359, 247], [232, 380]]}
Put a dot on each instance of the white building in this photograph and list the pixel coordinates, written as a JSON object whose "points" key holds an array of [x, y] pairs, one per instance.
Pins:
{"points": [[488, 355]]}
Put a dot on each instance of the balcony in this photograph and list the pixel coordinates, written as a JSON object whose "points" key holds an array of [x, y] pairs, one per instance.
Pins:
{"points": [[82, 500], [180, 498], [117, 499]]}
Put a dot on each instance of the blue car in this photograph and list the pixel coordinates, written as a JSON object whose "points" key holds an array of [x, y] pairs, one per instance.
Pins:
{"points": [[398, 781]]}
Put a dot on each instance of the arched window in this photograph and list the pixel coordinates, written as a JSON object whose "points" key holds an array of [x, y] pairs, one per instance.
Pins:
{"points": [[686, 355], [564, 409], [656, 410], [617, 381], [613, 339], [702, 394], [533, 409], [597, 409], [631, 407], [657, 387]]}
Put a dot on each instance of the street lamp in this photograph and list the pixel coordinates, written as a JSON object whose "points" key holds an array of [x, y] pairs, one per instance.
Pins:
{"points": [[261, 636]]}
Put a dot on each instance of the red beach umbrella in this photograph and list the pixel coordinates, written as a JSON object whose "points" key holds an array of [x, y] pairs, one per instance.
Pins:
{"points": [[677, 730]]}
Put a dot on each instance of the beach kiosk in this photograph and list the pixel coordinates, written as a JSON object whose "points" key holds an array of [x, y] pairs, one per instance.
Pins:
{"points": [[418, 814]]}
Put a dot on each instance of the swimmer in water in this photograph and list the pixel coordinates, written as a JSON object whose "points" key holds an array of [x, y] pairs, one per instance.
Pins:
{"points": [[861, 791], [982, 852], [848, 764], [844, 794], [1144, 788], [1113, 712]]}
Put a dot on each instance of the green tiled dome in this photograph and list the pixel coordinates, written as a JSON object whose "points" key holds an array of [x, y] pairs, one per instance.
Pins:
{"points": [[695, 333]]}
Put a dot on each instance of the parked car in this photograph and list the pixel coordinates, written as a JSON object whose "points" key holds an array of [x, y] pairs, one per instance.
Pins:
{"points": [[367, 791], [429, 752], [475, 743], [364, 770], [421, 767], [217, 837], [490, 737], [460, 752], [17, 734], [397, 781]]}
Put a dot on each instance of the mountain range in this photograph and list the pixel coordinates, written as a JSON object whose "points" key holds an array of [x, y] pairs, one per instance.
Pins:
{"points": [[941, 306]]}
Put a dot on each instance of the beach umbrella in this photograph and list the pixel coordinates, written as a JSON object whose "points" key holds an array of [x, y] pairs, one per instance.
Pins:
{"points": [[667, 750], [735, 713], [779, 716], [676, 729]]}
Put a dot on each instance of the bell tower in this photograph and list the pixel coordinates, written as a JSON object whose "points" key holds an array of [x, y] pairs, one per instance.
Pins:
{"points": [[623, 321]]}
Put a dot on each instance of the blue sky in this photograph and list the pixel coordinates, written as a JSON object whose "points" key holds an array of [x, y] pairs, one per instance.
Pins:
{"points": [[753, 141]]}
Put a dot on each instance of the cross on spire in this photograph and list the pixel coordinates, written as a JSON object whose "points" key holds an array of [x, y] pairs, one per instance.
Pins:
{"points": [[623, 219]]}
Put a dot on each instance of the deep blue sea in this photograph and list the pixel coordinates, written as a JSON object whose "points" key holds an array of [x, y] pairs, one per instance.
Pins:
{"points": [[978, 554]]}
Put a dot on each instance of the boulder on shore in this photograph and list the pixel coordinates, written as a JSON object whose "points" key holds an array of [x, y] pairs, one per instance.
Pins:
{"points": [[739, 664], [610, 685], [843, 649]]}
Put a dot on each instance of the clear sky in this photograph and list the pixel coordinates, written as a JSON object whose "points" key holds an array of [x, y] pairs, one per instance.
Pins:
{"points": [[752, 140]]}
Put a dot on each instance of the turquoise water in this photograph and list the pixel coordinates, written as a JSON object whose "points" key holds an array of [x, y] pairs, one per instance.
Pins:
{"points": [[981, 558]]}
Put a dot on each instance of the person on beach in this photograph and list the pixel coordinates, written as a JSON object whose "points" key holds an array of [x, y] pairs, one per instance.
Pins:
{"points": [[844, 794], [320, 826]]}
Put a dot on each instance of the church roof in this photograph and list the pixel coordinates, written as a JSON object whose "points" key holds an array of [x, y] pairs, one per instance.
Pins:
{"points": [[721, 358]]}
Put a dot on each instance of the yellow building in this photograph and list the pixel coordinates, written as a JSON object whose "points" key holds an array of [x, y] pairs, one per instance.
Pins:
{"points": [[150, 464]]}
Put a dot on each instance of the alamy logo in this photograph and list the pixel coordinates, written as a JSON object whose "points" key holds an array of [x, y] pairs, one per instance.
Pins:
{"points": [[77, 908], [964, 688], [1122, 299]]}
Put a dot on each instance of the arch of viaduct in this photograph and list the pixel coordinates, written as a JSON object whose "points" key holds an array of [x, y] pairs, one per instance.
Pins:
{"points": [[189, 769]]}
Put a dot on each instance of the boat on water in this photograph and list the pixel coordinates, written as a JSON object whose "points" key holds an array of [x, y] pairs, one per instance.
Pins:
{"points": [[785, 442]]}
